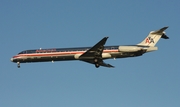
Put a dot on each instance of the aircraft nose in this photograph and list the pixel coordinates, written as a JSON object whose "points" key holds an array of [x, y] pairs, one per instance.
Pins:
{"points": [[12, 59]]}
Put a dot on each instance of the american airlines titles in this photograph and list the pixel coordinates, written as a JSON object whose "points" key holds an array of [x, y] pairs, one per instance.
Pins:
{"points": [[45, 50]]}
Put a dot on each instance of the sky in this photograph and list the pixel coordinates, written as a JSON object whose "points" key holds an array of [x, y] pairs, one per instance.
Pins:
{"points": [[151, 80]]}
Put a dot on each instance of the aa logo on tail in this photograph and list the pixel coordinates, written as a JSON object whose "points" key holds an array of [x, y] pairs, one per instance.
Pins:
{"points": [[149, 40]]}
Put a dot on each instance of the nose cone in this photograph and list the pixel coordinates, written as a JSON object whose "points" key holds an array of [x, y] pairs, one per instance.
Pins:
{"points": [[15, 58], [12, 59]]}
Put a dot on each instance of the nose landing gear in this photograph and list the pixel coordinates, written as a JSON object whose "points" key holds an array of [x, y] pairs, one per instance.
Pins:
{"points": [[18, 64]]}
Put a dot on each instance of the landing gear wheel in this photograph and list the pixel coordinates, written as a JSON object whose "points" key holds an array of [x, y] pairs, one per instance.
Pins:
{"points": [[95, 60], [97, 65], [18, 64]]}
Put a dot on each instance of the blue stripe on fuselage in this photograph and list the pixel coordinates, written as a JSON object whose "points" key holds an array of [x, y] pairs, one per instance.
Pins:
{"points": [[71, 49]]}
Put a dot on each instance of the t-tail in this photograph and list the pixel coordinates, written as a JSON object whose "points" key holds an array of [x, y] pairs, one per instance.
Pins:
{"points": [[154, 37]]}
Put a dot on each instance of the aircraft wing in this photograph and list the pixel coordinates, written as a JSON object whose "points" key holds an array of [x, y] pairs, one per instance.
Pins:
{"points": [[101, 63], [94, 54], [95, 51]]}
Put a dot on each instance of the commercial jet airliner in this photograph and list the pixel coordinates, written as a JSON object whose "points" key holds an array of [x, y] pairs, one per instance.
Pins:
{"points": [[93, 55]]}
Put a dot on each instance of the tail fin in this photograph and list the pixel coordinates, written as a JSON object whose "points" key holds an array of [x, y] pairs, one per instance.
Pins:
{"points": [[154, 37]]}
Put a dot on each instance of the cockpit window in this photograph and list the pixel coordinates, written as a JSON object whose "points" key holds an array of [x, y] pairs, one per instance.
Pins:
{"points": [[23, 52], [31, 51]]}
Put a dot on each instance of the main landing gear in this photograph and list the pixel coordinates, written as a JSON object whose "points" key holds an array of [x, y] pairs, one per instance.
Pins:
{"points": [[18, 64], [96, 63]]}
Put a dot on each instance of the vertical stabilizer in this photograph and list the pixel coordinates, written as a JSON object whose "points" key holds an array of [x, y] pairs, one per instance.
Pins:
{"points": [[154, 37]]}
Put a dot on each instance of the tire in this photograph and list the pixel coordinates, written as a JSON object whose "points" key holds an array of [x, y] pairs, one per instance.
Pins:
{"points": [[97, 65]]}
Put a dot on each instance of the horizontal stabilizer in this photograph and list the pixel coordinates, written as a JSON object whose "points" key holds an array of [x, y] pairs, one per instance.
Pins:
{"points": [[164, 36], [159, 31]]}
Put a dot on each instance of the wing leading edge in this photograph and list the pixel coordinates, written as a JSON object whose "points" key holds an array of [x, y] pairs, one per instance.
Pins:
{"points": [[94, 54]]}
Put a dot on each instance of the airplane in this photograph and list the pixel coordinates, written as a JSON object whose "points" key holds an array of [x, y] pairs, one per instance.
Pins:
{"points": [[93, 55]]}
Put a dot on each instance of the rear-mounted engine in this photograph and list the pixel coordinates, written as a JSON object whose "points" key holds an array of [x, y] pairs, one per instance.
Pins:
{"points": [[129, 48]]}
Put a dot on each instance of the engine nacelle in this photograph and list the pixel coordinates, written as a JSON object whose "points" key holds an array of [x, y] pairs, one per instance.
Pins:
{"points": [[76, 56], [129, 48], [106, 55]]}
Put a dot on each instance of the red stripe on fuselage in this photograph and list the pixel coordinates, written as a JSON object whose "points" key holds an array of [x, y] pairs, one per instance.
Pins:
{"points": [[61, 53]]}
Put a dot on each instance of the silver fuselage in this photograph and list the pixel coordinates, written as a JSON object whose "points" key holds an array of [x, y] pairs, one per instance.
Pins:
{"points": [[63, 54]]}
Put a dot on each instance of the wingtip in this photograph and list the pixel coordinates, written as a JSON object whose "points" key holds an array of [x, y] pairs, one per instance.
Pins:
{"points": [[112, 67], [164, 36], [105, 38]]}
